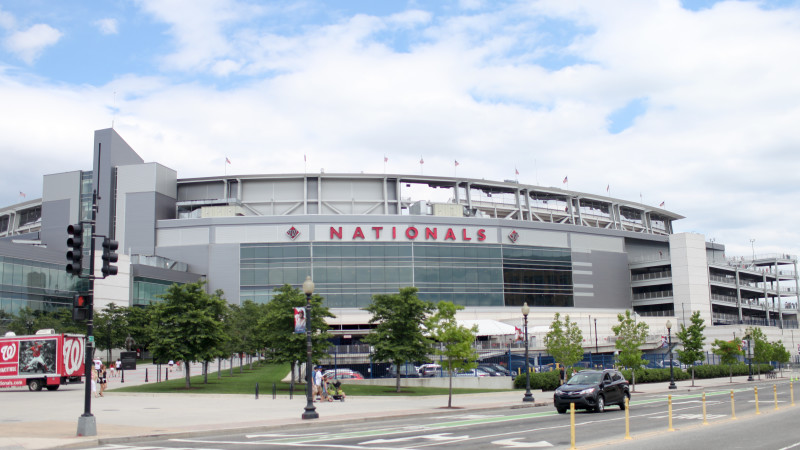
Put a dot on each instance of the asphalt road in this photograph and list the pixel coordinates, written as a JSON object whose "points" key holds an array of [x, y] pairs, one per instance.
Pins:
{"points": [[542, 427]]}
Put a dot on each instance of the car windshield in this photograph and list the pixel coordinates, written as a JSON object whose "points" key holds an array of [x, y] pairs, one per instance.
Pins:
{"points": [[586, 378]]}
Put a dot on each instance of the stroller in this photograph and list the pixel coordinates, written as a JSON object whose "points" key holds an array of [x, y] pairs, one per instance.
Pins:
{"points": [[335, 391]]}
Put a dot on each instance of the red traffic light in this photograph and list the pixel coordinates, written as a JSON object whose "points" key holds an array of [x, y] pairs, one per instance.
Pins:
{"points": [[80, 301]]}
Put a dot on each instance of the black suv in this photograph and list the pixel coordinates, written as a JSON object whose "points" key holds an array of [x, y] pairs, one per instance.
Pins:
{"points": [[592, 390]]}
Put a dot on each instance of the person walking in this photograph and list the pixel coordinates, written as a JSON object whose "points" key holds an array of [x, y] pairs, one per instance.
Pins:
{"points": [[101, 378], [118, 366], [94, 381], [318, 383]]}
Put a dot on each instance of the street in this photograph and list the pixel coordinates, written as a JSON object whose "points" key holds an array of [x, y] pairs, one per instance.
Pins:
{"points": [[521, 427]]}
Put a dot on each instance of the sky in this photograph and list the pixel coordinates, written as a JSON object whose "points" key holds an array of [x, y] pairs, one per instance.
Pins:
{"points": [[692, 103]]}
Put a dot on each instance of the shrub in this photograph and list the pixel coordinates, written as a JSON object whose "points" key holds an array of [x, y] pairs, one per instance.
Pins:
{"points": [[547, 381]]}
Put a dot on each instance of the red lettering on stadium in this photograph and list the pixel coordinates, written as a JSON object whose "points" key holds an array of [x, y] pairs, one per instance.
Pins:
{"points": [[412, 233]]}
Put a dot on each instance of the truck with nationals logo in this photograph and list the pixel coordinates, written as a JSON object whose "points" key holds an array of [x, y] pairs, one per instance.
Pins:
{"points": [[41, 360]]}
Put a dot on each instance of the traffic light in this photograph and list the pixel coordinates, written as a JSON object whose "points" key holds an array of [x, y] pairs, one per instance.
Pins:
{"points": [[75, 249], [109, 256], [81, 305]]}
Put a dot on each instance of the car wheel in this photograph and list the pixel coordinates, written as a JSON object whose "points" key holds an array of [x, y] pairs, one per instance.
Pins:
{"points": [[601, 404], [561, 409], [627, 396]]}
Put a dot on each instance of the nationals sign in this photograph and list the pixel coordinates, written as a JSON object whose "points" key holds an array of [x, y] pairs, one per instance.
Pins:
{"points": [[405, 233]]}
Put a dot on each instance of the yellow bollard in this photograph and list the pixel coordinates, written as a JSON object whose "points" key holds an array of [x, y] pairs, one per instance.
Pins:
{"points": [[572, 424], [756, 390], [669, 400], [627, 419], [705, 421], [733, 407], [775, 394]]}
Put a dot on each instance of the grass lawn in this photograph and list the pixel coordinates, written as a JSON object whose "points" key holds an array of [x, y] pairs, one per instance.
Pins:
{"points": [[267, 374]]}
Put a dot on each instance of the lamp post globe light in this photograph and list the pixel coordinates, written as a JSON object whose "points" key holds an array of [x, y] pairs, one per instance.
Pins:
{"points": [[310, 411], [669, 347], [528, 396]]}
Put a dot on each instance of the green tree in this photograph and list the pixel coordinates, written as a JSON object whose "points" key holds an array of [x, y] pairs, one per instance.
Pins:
{"points": [[139, 326], [631, 335], [398, 336], [780, 354], [241, 325], [456, 341], [275, 329], [761, 350], [187, 325], [728, 351], [692, 339], [564, 341], [110, 326]]}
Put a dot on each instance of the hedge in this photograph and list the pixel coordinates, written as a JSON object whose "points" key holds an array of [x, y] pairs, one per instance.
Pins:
{"points": [[548, 381]]}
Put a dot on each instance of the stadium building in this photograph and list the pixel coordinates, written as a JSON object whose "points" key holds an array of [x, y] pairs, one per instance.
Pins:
{"points": [[487, 245]]}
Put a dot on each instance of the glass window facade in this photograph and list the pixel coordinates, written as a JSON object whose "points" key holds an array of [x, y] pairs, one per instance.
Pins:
{"points": [[538, 276], [147, 291], [38, 285], [348, 274]]}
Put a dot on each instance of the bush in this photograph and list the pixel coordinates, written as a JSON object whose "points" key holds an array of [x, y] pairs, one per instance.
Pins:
{"points": [[646, 375], [547, 381]]}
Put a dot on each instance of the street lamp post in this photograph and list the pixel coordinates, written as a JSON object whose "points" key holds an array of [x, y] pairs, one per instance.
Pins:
{"points": [[750, 359], [669, 347], [29, 324], [596, 347], [528, 396], [310, 411]]}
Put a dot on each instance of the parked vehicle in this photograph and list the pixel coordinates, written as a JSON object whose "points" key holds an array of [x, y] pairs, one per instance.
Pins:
{"points": [[430, 370], [490, 370], [44, 360], [407, 370], [342, 374], [472, 373], [497, 368], [592, 390]]}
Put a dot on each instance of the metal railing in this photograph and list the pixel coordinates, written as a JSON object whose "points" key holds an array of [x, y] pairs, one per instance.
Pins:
{"points": [[651, 276], [656, 294]]}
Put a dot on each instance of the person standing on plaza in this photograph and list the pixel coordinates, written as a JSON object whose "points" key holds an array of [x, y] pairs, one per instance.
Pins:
{"points": [[94, 381], [101, 378], [318, 382]]}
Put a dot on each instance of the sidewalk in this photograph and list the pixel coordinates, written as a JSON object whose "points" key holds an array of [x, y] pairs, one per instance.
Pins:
{"points": [[30, 420]]}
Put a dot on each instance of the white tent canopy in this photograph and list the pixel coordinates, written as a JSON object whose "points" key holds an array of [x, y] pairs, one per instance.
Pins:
{"points": [[489, 327]]}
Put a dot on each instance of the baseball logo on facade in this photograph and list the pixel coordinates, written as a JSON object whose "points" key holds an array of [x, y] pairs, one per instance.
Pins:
{"points": [[293, 233], [513, 236]]}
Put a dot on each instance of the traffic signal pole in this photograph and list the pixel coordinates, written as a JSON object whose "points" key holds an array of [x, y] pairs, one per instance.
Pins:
{"points": [[87, 425]]}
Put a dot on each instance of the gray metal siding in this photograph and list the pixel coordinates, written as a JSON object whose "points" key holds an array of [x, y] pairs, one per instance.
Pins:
{"points": [[609, 278]]}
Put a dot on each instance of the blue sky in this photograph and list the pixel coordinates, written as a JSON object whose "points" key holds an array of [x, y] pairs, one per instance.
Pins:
{"points": [[693, 102]]}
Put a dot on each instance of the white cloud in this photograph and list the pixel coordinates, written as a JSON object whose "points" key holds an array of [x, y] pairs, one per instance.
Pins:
{"points": [[717, 141], [30, 43], [107, 26], [7, 20]]}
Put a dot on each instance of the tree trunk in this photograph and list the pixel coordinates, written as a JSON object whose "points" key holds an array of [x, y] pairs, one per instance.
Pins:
{"points": [[205, 372], [219, 368], [692, 375], [397, 375], [633, 379], [731, 372], [231, 365], [450, 394], [241, 363], [188, 382]]}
